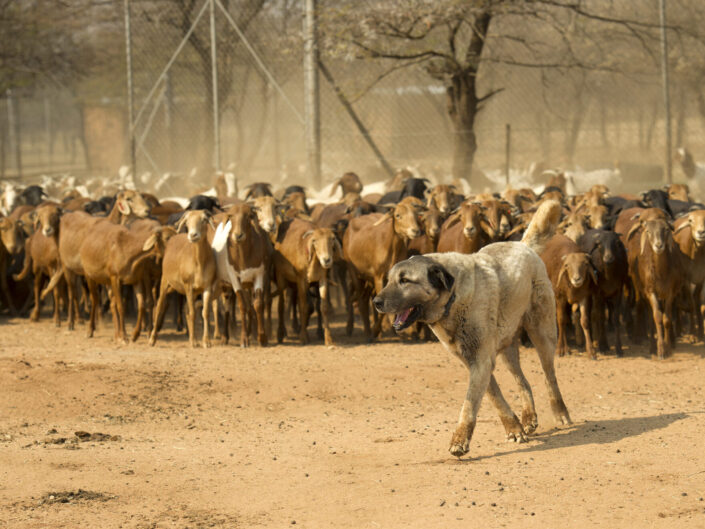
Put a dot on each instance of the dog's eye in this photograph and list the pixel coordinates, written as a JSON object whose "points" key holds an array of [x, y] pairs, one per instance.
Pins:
{"points": [[403, 280]]}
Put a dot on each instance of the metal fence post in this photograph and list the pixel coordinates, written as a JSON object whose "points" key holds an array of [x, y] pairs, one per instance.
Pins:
{"points": [[508, 151], [130, 92], [311, 94], [214, 71], [666, 92], [13, 124]]}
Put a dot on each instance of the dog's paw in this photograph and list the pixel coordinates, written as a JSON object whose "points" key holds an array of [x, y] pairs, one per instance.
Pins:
{"points": [[517, 437], [529, 421], [459, 450]]}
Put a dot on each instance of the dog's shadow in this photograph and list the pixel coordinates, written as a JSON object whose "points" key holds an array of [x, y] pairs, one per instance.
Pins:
{"points": [[589, 432]]}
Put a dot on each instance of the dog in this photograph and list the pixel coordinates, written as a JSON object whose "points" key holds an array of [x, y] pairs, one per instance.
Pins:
{"points": [[477, 305]]}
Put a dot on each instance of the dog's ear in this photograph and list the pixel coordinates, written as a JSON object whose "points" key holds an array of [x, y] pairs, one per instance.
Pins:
{"points": [[440, 278]]}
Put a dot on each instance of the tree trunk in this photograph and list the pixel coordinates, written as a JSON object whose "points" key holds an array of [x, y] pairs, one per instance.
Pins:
{"points": [[462, 109]]}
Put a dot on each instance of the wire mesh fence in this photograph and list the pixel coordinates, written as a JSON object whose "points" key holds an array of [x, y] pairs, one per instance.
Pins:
{"points": [[591, 120]]}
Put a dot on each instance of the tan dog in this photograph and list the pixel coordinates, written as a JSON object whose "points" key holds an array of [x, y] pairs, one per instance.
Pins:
{"points": [[476, 305]]}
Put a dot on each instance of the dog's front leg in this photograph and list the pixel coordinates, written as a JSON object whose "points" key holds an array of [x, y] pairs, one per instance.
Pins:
{"points": [[480, 364]]}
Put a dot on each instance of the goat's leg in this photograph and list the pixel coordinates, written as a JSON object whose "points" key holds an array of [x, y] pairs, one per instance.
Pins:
{"points": [[529, 419], [585, 324], [657, 313], [140, 295], [561, 346], [258, 303], [95, 302], [669, 337], [614, 305], [159, 312], [119, 311], [363, 305], [3, 285], [324, 292], [599, 315], [206, 342], [244, 335], [72, 308], [38, 280], [379, 318], [302, 295], [191, 315], [281, 307], [56, 297], [697, 310], [216, 313]]}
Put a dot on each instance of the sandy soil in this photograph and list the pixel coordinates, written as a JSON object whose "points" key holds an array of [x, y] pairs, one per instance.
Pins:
{"points": [[349, 436]]}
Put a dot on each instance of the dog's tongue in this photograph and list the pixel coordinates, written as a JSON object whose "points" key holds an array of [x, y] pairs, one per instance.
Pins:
{"points": [[402, 317]]}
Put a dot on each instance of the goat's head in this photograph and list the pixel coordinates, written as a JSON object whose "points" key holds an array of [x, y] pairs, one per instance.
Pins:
{"points": [[266, 209], [597, 217], [10, 235], [405, 216], [574, 225], [195, 222], [348, 183], [656, 232], [441, 197], [322, 244], [131, 202], [696, 222], [577, 267], [499, 218], [47, 219], [471, 216], [241, 216], [432, 219], [297, 202], [678, 192]]}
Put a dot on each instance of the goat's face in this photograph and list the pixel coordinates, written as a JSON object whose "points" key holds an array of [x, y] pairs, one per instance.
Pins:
{"points": [[266, 209], [679, 192], [597, 217], [195, 222], [406, 219], [574, 225], [241, 216], [471, 216], [297, 200], [657, 233], [322, 244], [498, 217], [46, 218], [577, 267], [350, 183], [432, 222], [440, 197], [131, 202], [696, 223], [10, 235]]}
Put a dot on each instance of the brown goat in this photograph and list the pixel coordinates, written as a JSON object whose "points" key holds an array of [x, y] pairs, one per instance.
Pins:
{"points": [[655, 267], [372, 244], [348, 183], [689, 235], [444, 198], [42, 256], [10, 245], [465, 231], [188, 268], [571, 272], [303, 255]]}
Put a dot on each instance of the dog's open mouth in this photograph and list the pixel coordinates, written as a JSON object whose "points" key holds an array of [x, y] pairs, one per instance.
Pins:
{"points": [[407, 317]]}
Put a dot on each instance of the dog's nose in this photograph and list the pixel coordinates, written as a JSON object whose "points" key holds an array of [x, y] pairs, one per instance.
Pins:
{"points": [[378, 303]]}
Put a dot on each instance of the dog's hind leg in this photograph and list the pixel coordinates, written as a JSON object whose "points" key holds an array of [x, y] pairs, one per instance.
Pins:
{"points": [[543, 336], [528, 415], [511, 423]]}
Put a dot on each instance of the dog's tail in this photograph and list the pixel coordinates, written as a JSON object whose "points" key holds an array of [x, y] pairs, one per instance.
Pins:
{"points": [[542, 226]]}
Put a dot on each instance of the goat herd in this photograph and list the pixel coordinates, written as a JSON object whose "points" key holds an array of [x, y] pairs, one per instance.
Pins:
{"points": [[637, 261]]}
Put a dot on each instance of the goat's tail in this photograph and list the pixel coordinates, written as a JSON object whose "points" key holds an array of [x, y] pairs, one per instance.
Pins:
{"points": [[543, 225], [58, 274]]}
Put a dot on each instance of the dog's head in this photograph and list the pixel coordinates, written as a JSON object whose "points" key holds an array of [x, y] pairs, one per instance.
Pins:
{"points": [[418, 289]]}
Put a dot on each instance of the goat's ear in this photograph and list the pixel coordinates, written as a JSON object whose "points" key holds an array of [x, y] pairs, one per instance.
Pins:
{"points": [[384, 218], [335, 186], [122, 205], [453, 219], [562, 272], [337, 248], [211, 223], [681, 227], [307, 234], [516, 229], [150, 242], [440, 278], [34, 219], [643, 243], [633, 230], [181, 223]]}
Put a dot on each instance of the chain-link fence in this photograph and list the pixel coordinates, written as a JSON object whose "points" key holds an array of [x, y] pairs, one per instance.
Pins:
{"points": [[587, 119]]}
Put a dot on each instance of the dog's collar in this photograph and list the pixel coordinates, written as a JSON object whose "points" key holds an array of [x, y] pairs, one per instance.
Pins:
{"points": [[446, 309]]}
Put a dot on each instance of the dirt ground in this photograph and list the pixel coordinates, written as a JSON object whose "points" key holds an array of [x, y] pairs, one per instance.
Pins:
{"points": [[103, 436]]}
